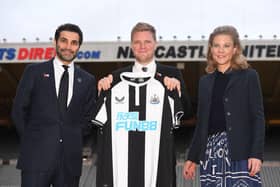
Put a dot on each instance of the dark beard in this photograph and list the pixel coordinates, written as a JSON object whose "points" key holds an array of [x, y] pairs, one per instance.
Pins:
{"points": [[60, 56]]}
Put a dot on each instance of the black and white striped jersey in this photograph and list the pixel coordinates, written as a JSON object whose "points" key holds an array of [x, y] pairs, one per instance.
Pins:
{"points": [[136, 118]]}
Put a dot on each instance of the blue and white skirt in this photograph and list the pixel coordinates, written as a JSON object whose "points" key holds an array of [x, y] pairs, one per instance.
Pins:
{"points": [[219, 171]]}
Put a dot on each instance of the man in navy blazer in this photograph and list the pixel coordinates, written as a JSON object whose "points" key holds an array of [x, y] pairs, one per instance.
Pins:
{"points": [[143, 44], [50, 137]]}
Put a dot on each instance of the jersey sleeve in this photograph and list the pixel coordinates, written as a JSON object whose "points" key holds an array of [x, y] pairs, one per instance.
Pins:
{"points": [[176, 108], [100, 117]]}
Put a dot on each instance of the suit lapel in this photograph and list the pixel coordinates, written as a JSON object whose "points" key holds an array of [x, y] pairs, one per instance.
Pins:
{"points": [[77, 83], [209, 89], [159, 70], [130, 68], [211, 81], [234, 76], [49, 74]]}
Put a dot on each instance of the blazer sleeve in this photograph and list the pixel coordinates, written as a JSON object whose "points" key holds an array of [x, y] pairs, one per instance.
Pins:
{"points": [[22, 99], [195, 148], [100, 116], [89, 106], [256, 115], [185, 98]]}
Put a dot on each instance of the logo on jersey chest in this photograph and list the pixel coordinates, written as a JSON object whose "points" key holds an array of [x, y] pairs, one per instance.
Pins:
{"points": [[154, 99], [129, 121], [119, 100]]}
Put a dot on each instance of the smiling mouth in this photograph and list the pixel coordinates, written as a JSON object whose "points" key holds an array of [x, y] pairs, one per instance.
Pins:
{"points": [[67, 53]]}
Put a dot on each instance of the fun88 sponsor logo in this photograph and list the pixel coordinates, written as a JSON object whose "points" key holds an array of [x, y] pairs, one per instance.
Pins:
{"points": [[128, 121]]}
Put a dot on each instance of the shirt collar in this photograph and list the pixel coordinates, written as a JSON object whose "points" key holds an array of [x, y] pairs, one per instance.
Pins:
{"points": [[151, 67], [58, 64]]}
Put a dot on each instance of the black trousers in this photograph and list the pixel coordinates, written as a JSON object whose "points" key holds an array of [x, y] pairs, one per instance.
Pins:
{"points": [[58, 177], [46, 179]]}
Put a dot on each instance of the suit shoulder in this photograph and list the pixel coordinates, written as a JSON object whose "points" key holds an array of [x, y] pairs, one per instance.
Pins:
{"points": [[205, 77], [116, 73], [123, 69], [250, 73], [84, 73], [169, 71], [168, 67], [37, 66]]}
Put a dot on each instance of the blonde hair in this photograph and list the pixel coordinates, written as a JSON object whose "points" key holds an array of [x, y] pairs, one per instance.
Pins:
{"points": [[140, 27], [238, 60]]}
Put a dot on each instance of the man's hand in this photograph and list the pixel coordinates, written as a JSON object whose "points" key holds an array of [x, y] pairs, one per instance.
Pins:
{"points": [[105, 83], [172, 83], [254, 166], [189, 170]]}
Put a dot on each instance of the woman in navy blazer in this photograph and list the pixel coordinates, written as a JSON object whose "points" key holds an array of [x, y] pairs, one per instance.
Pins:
{"points": [[228, 141]]}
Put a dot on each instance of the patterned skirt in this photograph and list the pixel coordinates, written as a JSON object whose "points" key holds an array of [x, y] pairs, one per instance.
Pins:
{"points": [[219, 171]]}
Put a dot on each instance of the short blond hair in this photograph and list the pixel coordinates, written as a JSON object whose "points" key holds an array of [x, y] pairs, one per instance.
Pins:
{"points": [[140, 27]]}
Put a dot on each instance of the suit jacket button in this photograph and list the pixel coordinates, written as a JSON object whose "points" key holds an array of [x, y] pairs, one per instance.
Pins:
{"points": [[229, 128], [60, 140], [228, 113], [226, 99]]}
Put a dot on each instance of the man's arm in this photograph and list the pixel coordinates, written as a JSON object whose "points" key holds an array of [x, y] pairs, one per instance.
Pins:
{"points": [[172, 83], [185, 97], [104, 83], [22, 100], [173, 79], [89, 106]]}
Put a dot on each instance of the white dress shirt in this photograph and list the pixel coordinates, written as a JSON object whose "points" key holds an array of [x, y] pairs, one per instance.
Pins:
{"points": [[151, 67], [58, 71]]}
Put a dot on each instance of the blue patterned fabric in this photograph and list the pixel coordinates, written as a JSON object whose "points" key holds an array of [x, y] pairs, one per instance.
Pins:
{"points": [[219, 171]]}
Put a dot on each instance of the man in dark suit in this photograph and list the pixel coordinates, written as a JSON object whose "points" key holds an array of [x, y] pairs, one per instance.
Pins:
{"points": [[52, 108], [143, 44]]}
